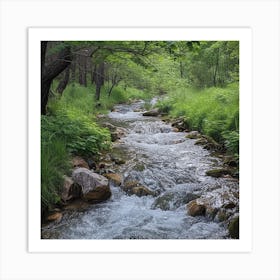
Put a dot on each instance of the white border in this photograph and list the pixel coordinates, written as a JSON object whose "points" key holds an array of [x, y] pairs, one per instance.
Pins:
{"points": [[244, 244]]}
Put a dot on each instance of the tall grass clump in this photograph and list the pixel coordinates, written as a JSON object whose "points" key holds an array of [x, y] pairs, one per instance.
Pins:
{"points": [[55, 162]]}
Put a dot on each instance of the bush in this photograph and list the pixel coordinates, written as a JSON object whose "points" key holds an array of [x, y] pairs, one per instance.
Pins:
{"points": [[82, 136]]}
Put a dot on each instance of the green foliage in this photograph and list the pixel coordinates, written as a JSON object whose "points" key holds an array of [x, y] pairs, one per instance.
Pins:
{"points": [[76, 97], [81, 134], [232, 141], [212, 111], [212, 63], [55, 162]]}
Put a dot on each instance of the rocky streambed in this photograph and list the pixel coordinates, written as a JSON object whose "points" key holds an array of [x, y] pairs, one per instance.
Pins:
{"points": [[155, 184]]}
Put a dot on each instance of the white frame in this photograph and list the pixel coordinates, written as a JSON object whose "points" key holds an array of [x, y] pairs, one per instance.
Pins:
{"points": [[243, 35], [262, 262]]}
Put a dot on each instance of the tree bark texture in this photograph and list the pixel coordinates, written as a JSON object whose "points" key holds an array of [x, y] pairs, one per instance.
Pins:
{"points": [[83, 70], [99, 79], [51, 70], [64, 80]]}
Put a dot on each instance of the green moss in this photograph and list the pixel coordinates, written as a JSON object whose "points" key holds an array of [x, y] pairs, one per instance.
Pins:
{"points": [[233, 228], [218, 172]]}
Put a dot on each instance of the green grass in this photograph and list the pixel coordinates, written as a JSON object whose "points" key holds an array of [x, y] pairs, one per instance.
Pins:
{"points": [[55, 162], [212, 111], [82, 98]]}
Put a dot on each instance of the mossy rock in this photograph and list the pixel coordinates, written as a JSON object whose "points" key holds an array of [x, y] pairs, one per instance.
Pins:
{"points": [[218, 172], [233, 228], [163, 202], [139, 167], [230, 161], [201, 141], [193, 135], [222, 215]]}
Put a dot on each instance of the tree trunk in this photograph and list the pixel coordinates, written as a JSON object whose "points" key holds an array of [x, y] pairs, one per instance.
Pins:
{"points": [[82, 70], [216, 70], [50, 71], [97, 90], [102, 72], [110, 90], [73, 71], [93, 73], [99, 79], [64, 81]]}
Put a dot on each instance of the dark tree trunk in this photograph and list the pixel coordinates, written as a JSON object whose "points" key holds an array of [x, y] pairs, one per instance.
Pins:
{"points": [[110, 90], [82, 70], [99, 79], [73, 71], [93, 73], [50, 71], [102, 72], [97, 90], [64, 81], [114, 82], [216, 69]]}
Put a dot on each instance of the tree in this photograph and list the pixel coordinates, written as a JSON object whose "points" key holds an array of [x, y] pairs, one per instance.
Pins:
{"points": [[99, 79], [52, 70], [64, 80]]}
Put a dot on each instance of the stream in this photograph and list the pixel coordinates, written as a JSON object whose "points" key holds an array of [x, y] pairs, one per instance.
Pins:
{"points": [[168, 164]]}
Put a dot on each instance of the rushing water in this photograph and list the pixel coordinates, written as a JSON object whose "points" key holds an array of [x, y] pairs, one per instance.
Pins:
{"points": [[162, 160]]}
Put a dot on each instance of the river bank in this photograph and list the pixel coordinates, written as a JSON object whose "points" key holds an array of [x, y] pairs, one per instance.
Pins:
{"points": [[162, 191]]}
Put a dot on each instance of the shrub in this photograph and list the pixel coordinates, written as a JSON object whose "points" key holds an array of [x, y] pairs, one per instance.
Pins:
{"points": [[82, 136]]}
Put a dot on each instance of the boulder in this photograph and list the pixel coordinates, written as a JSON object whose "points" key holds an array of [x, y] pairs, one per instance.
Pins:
{"points": [[79, 162], [196, 209], [55, 217], [152, 113], [118, 133], [208, 143], [233, 228], [77, 205], [220, 203], [201, 141], [114, 136], [115, 178], [179, 141], [222, 215], [99, 194], [181, 124], [172, 200], [230, 161], [134, 187], [218, 172], [142, 191], [117, 160], [193, 135], [91, 163], [94, 187], [70, 190]]}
